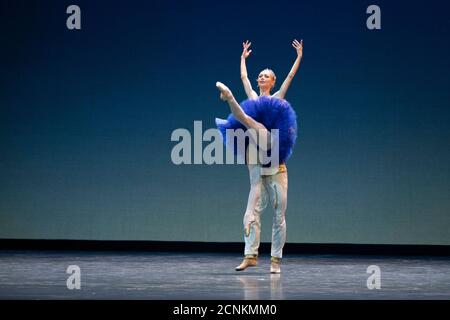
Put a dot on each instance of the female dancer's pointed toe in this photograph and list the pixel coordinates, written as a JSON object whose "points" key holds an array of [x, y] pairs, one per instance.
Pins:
{"points": [[225, 92]]}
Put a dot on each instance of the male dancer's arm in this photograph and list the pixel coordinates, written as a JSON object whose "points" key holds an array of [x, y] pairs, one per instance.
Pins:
{"points": [[287, 82]]}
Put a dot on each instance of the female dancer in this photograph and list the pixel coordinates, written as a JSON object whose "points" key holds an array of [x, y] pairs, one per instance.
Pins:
{"points": [[272, 184]]}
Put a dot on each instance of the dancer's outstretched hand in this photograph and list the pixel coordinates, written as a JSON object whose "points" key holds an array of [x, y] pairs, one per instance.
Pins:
{"points": [[298, 46], [245, 51]]}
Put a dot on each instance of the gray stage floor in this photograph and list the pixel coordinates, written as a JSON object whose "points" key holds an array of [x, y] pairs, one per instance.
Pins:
{"points": [[192, 276]]}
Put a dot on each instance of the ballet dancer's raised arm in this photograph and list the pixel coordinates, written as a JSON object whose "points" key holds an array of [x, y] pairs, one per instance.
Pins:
{"points": [[251, 94], [287, 82]]}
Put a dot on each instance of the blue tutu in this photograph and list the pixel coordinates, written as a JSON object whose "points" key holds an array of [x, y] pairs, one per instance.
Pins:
{"points": [[273, 113]]}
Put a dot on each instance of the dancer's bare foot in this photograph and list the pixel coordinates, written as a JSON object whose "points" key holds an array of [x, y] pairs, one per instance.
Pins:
{"points": [[225, 93]]}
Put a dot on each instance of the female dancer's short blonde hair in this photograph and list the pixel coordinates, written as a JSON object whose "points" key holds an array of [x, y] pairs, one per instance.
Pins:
{"points": [[273, 76]]}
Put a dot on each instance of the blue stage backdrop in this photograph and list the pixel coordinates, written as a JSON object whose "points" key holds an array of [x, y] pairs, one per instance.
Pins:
{"points": [[86, 118]]}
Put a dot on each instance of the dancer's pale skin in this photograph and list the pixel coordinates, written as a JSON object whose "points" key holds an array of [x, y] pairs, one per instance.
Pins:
{"points": [[266, 79], [266, 82]]}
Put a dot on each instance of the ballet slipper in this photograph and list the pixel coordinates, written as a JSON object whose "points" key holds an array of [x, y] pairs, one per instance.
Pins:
{"points": [[225, 93]]}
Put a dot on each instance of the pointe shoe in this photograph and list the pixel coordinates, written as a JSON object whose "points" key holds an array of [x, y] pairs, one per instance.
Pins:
{"points": [[275, 265], [225, 93], [249, 261]]}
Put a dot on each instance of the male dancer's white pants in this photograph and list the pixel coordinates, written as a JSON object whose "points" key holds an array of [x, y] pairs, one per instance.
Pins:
{"points": [[265, 189]]}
